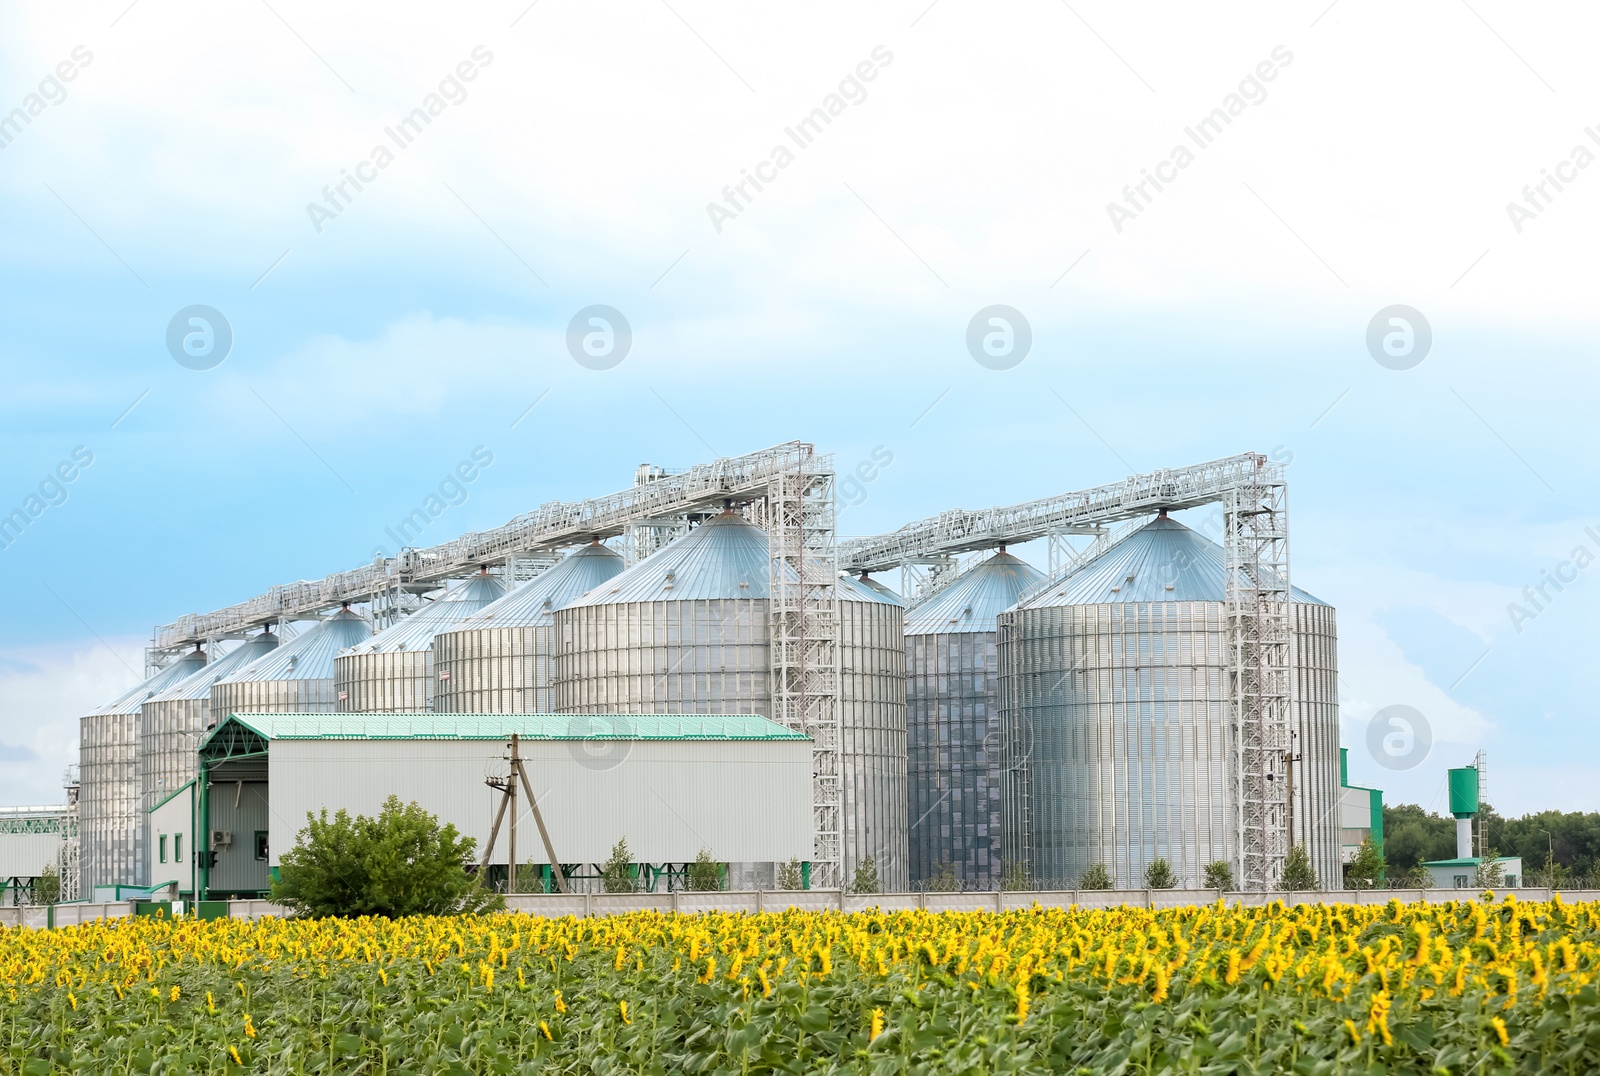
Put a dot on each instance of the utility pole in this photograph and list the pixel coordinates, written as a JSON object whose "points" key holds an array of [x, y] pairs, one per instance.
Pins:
{"points": [[508, 785]]}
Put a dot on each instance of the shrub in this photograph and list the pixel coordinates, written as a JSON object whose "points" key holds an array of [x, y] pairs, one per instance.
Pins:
{"points": [[616, 874], [1299, 875], [1158, 875], [866, 879], [1219, 875], [397, 864], [704, 873], [1367, 868], [1096, 877]]}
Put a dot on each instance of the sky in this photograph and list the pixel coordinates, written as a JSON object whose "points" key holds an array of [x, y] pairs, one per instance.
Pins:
{"points": [[1313, 166]]}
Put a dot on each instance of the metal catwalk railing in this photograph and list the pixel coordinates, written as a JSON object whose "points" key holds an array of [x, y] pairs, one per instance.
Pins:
{"points": [[1084, 512], [555, 525]]}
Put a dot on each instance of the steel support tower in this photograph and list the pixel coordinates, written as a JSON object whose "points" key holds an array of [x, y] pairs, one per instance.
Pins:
{"points": [[1255, 553], [800, 520]]}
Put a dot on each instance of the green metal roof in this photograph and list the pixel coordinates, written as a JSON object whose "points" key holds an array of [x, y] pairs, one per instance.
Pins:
{"points": [[1467, 862], [175, 792], [429, 726]]}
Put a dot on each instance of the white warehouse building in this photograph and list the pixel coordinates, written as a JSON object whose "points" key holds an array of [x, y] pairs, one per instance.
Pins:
{"points": [[736, 786]]}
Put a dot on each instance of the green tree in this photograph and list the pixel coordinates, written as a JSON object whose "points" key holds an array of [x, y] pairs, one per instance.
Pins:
{"points": [[866, 879], [530, 877], [1366, 870], [1491, 874], [1417, 877], [1096, 877], [1412, 836], [705, 874], [789, 876], [1158, 875], [1219, 875], [47, 887], [616, 874], [1014, 878], [944, 880], [1299, 875], [403, 862]]}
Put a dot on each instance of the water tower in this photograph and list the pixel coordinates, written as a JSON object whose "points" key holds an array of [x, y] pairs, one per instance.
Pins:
{"points": [[1464, 805]]}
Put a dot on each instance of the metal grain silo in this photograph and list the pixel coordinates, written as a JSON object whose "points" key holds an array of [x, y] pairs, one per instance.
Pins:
{"points": [[110, 832], [687, 631], [500, 659], [953, 722], [872, 710], [1115, 703], [297, 677], [171, 723], [392, 672]]}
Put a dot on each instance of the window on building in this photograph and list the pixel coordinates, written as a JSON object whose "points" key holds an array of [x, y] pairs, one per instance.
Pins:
{"points": [[161, 843], [177, 848], [1461, 881], [261, 845]]}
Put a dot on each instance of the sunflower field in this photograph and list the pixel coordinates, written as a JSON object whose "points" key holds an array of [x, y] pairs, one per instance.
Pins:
{"points": [[1475, 986]]}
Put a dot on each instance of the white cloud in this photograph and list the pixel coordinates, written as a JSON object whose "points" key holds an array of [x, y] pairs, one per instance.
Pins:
{"points": [[43, 693]]}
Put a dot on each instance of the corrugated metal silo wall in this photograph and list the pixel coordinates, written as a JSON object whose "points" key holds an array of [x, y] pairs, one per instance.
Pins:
{"points": [[712, 657], [953, 757], [872, 703], [169, 733], [685, 657], [1315, 700], [392, 682], [1122, 713], [272, 697], [108, 797], [507, 670]]}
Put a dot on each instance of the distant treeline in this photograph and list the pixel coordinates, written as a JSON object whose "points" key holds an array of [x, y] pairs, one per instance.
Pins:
{"points": [[1566, 845]]}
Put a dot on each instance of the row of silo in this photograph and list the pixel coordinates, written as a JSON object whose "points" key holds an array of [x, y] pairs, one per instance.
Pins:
{"points": [[142, 746], [1115, 684], [111, 838], [392, 672], [172, 722], [501, 658]]}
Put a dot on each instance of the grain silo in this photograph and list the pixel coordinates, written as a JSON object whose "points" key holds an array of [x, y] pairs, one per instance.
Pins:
{"points": [[109, 809], [500, 659], [1115, 702], [171, 722], [687, 630], [392, 671], [297, 677], [953, 722]]}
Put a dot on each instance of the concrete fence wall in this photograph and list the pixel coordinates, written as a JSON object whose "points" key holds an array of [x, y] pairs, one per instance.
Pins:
{"points": [[556, 905]]}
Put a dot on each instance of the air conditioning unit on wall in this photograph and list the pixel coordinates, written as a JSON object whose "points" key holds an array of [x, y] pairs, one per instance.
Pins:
{"points": [[222, 838]]}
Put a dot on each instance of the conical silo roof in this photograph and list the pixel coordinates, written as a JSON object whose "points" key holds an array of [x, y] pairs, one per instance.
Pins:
{"points": [[416, 631], [724, 557], [727, 556], [198, 685], [129, 701], [1163, 561], [852, 588], [535, 602], [887, 592], [308, 656], [972, 601]]}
